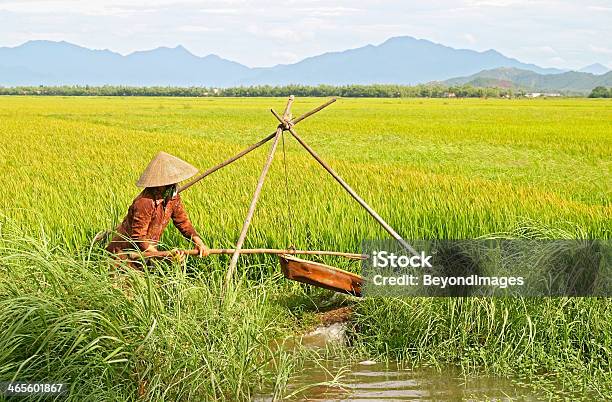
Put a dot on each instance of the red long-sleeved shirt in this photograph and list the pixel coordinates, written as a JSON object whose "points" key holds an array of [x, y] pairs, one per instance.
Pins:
{"points": [[147, 218]]}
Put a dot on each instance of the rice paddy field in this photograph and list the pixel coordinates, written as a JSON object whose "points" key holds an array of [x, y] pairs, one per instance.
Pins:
{"points": [[433, 168]]}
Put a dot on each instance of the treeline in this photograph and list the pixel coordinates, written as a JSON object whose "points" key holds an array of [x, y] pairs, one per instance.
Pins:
{"points": [[601, 92], [349, 91]]}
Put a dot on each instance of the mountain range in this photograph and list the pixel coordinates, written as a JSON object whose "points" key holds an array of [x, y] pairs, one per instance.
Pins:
{"points": [[399, 60], [596, 68], [504, 77]]}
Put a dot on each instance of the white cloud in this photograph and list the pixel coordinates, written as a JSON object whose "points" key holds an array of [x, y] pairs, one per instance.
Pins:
{"points": [[496, 3], [470, 38], [558, 61], [543, 50], [265, 32], [285, 57], [221, 11], [197, 28], [600, 49], [328, 11], [282, 34], [599, 8]]}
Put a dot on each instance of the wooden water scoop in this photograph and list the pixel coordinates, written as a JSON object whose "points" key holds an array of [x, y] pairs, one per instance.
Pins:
{"points": [[293, 268], [320, 275]]}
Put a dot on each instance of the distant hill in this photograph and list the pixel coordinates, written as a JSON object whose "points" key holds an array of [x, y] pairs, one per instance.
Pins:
{"points": [[400, 60], [571, 81], [59, 63], [597, 69]]}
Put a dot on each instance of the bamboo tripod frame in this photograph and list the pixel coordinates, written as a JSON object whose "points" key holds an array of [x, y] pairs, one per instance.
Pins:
{"points": [[286, 123]]}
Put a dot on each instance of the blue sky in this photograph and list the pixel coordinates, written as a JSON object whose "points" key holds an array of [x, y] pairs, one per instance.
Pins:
{"points": [[551, 33]]}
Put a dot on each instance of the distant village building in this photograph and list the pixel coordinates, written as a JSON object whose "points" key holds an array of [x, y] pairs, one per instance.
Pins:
{"points": [[538, 94]]}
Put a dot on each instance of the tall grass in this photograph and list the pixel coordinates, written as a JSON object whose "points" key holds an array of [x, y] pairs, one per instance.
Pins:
{"points": [[561, 345], [161, 334]]}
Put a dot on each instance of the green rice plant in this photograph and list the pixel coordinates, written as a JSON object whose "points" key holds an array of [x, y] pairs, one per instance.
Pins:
{"points": [[432, 168]]}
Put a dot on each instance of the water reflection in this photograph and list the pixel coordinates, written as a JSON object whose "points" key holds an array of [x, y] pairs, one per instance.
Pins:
{"points": [[392, 382]]}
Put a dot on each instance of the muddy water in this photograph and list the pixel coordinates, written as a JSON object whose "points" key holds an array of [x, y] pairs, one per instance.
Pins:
{"points": [[375, 382]]}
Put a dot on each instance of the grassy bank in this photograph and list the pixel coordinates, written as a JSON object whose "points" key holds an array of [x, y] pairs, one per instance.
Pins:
{"points": [[161, 334], [432, 168], [165, 333], [561, 346]]}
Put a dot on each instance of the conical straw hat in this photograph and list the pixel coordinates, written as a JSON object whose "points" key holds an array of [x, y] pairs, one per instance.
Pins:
{"points": [[165, 169]]}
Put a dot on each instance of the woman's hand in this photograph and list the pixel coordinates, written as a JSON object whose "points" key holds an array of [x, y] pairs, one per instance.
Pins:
{"points": [[202, 249], [177, 255], [151, 249]]}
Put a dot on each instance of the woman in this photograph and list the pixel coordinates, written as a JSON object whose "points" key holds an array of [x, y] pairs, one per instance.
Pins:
{"points": [[153, 208]]}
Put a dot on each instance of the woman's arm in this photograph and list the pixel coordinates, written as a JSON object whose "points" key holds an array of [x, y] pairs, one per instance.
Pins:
{"points": [[143, 209], [183, 224]]}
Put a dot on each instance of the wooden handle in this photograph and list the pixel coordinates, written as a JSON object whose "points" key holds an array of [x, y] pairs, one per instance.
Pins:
{"points": [[215, 251]]}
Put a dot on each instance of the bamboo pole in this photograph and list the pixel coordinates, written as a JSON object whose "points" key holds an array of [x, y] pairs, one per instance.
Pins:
{"points": [[313, 111], [226, 162], [348, 188], [256, 145], [287, 110], [219, 251], [262, 177], [247, 221]]}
